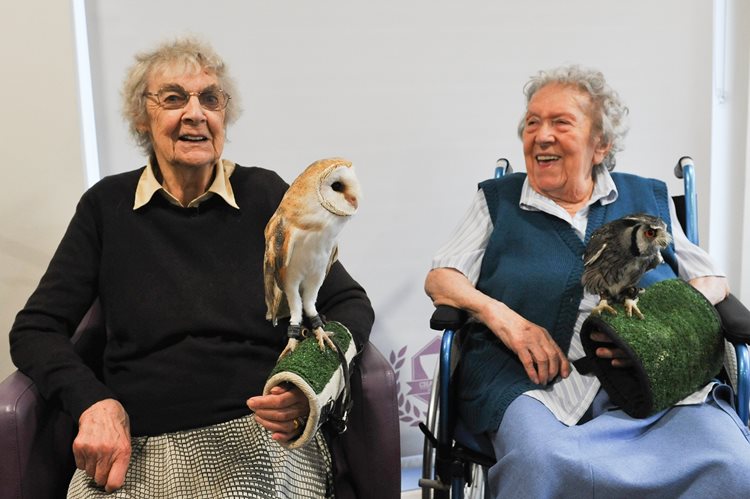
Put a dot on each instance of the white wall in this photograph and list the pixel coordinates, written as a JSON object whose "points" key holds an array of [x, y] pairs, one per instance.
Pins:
{"points": [[42, 170]]}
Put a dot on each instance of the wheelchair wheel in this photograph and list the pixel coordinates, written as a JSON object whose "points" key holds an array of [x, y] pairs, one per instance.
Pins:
{"points": [[444, 475]]}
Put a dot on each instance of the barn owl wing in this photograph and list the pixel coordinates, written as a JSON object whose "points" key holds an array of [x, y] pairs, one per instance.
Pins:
{"points": [[280, 240]]}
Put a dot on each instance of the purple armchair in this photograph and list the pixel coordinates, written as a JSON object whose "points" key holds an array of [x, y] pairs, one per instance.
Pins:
{"points": [[36, 461]]}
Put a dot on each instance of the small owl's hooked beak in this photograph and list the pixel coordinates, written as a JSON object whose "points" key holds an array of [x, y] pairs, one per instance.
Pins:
{"points": [[352, 200]]}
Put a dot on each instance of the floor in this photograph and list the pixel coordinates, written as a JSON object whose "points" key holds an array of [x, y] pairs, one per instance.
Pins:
{"points": [[410, 479]]}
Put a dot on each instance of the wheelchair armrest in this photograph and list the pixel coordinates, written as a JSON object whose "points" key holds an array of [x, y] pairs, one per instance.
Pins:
{"points": [[735, 319], [447, 317]]}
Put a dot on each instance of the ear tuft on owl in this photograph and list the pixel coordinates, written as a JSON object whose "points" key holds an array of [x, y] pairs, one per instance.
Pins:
{"points": [[302, 244], [617, 256]]}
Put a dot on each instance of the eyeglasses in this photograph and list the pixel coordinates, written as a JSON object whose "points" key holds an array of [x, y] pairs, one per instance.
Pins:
{"points": [[213, 99]]}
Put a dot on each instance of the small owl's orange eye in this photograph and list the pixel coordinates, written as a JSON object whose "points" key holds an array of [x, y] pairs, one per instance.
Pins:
{"points": [[650, 233], [337, 186]]}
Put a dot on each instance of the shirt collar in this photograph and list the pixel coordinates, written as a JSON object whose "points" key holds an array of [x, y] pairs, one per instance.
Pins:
{"points": [[148, 185], [604, 191]]}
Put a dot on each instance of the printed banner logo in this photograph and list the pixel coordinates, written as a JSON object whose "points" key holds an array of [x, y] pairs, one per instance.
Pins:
{"points": [[419, 386]]}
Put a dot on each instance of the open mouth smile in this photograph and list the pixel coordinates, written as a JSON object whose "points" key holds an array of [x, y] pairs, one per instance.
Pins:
{"points": [[193, 138], [544, 159]]}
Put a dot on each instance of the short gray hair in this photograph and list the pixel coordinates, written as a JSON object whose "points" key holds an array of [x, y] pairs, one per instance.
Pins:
{"points": [[609, 113], [189, 53]]}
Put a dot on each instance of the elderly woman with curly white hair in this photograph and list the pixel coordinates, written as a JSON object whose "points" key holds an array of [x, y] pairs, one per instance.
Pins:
{"points": [[174, 252], [515, 265]]}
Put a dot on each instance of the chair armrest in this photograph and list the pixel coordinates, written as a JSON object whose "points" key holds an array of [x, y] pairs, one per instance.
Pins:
{"points": [[35, 438], [447, 317], [368, 454], [36, 460], [735, 319]]}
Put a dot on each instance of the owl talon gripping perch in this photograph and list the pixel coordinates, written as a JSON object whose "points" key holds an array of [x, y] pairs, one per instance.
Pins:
{"points": [[294, 332], [301, 243], [323, 337], [603, 307], [631, 307], [617, 256]]}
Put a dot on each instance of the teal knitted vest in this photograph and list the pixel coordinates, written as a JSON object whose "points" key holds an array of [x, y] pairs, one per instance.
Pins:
{"points": [[533, 263]]}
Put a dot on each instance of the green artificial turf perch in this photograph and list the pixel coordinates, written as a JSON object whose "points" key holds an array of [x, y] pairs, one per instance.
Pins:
{"points": [[313, 364], [676, 348], [319, 375]]}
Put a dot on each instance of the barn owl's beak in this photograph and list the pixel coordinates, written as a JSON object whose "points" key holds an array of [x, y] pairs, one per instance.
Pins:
{"points": [[352, 200]]}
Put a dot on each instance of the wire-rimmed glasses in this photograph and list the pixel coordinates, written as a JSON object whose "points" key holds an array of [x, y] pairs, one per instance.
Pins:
{"points": [[176, 97]]}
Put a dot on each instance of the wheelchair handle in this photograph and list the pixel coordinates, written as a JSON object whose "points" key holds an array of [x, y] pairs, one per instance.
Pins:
{"points": [[502, 168], [682, 163]]}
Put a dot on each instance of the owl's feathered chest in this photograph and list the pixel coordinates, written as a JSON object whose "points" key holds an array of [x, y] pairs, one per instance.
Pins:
{"points": [[616, 270], [313, 246]]}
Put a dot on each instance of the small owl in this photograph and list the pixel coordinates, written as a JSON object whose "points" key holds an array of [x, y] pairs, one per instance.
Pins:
{"points": [[301, 243], [618, 255]]}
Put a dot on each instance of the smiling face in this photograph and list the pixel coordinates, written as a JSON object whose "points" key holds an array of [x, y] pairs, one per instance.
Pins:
{"points": [[191, 137], [559, 145]]}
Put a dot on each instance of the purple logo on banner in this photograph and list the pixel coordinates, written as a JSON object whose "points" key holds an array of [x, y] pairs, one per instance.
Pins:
{"points": [[419, 386]]}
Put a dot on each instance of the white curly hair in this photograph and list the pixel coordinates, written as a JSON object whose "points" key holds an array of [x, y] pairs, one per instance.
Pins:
{"points": [[609, 113]]}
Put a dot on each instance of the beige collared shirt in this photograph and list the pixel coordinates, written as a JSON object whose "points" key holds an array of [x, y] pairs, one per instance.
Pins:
{"points": [[148, 185]]}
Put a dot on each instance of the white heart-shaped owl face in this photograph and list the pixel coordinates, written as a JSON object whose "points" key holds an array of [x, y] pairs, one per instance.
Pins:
{"points": [[339, 191]]}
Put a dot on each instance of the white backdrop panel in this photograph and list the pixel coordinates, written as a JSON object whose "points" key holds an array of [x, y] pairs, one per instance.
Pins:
{"points": [[422, 96]]}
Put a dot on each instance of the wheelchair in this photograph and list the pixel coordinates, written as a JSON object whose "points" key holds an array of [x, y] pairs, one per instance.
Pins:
{"points": [[455, 462]]}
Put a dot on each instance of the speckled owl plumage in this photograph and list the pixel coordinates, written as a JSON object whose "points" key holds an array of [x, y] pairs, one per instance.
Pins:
{"points": [[617, 256]]}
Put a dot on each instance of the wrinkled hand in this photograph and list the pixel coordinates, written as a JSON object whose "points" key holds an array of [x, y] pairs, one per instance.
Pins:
{"points": [[714, 288], [616, 354], [278, 410], [541, 357], [102, 446]]}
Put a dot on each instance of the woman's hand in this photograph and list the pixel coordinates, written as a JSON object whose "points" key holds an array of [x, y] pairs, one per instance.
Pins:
{"points": [[714, 288], [102, 446], [282, 412], [540, 355], [616, 354]]}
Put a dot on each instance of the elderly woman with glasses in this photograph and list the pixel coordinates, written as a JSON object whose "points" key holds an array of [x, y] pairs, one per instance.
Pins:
{"points": [[515, 265], [174, 252]]}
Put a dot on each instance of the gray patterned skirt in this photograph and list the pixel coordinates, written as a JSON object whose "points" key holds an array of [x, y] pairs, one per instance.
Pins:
{"points": [[236, 459]]}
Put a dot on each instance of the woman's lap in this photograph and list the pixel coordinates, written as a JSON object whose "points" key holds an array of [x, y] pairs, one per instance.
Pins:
{"points": [[235, 459], [686, 451]]}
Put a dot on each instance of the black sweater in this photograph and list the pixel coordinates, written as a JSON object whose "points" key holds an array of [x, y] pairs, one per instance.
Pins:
{"points": [[182, 295]]}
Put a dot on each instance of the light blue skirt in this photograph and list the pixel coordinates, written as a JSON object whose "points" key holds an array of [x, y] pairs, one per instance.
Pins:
{"points": [[694, 451]]}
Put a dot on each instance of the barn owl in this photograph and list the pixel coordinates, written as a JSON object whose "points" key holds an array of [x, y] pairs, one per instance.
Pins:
{"points": [[301, 243], [618, 255]]}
